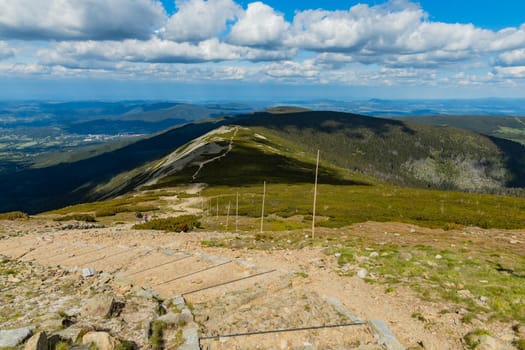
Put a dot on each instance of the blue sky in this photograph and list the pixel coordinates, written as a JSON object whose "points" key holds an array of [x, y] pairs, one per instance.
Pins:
{"points": [[241, 50]]}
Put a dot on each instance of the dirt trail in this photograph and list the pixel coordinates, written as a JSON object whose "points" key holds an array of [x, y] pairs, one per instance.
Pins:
{"points": [[294, 294], [240, 290]]}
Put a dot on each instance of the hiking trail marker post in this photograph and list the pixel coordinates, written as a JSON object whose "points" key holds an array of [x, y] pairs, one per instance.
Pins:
{"points": [[237, 213], [315, 195], [262, 211]]}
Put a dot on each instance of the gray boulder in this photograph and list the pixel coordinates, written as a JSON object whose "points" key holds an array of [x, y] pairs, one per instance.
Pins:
{"points": [[177, 319], [102, 305], [37, 342], [103, 340], [72, 334], [486, 342], [14, 337]]}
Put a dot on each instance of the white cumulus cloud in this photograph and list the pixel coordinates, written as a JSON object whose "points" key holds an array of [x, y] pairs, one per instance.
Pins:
{"points": [[259, 25], [6, 51], [198, 20], [154, 50], [84, 19], [512, 58]]}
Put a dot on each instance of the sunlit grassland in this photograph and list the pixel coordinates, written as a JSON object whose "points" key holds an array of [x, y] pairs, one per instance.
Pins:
{"points": [[147, 201], [342, 205]]}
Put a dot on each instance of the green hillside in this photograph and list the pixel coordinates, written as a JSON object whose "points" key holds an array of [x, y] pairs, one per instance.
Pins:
{"points": [[36, 190], [511, 128], [403, 153], [243, 151], [345, 197]]}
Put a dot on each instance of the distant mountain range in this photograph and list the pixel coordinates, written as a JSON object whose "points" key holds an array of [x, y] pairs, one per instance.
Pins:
{"points": [[278, 146]]}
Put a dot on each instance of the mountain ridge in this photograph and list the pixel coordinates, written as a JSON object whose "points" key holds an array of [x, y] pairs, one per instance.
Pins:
{"points": [[386, 150]]}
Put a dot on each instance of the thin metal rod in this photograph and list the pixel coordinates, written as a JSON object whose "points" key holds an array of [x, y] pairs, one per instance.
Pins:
{"points": [[237, 213], [154, 267], [107, 257], [55, 254], [18, 247], [262, 210], [315, 196], [194, 273], [228, 215], [85, 253], [228, 282], [357, 323]]}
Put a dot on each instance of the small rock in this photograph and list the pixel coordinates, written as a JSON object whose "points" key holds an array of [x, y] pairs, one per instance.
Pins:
{"points": [[362, 273], [101, 305], [405, 256], [86, 346], [72, 334], [177, 319], [37, 342], [14, 337], [13, 279], [486, 342], [103, 340], [308, 346], [88, 272], [145, 292], [513, 241], [465, 294], [191, 338], [374, 254]]}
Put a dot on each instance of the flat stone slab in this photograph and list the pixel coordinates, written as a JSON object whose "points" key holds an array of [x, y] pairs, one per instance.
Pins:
{"points": [[384, 335], [342, 309], [191, 338], [14, 337]]}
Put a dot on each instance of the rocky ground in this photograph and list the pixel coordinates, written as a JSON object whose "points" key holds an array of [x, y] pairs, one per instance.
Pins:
{"points": [[117, 288]]}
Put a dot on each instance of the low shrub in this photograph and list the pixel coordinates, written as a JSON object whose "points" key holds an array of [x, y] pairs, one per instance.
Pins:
{"points": [[13, 215], [182, 223], [77, 217], [472, 338]]}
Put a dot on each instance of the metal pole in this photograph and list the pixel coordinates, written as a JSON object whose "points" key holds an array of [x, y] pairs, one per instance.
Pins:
{"points": [[228, 216], [237, 213], [262, 211], [315, 195]]}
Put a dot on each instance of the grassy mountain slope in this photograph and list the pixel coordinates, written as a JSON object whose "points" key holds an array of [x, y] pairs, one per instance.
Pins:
{"points": [[279, 148], [511, 128], [236, 160], [403, 153], [35, 190]]}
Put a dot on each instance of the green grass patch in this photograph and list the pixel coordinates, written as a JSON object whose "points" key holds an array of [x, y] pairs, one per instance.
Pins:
{"points": [[183, 223], [156, 340], [77, 217], [472, 338], [127, 204], [343, 205], [474, 282], [519, 344], [14, 215]]}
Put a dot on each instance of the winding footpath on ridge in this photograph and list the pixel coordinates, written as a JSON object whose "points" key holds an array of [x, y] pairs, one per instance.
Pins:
{"points": [[228, 150]]}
